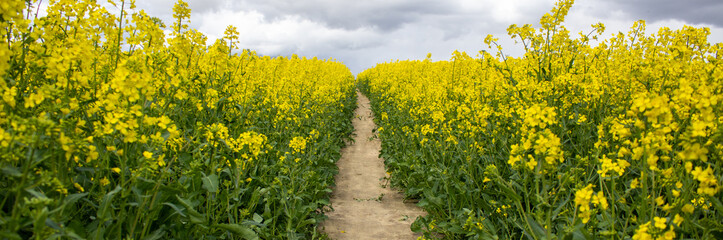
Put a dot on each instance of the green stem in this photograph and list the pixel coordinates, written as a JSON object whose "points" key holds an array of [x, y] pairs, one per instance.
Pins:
{"points": [[524, 216], [120, 33], [19, 189]]}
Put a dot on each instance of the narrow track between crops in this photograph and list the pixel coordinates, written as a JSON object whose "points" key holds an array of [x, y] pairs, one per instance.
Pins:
{"points": [[364, 208]]}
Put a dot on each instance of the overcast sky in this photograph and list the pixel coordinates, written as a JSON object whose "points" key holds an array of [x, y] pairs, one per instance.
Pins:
{"points": [[362, 33]]}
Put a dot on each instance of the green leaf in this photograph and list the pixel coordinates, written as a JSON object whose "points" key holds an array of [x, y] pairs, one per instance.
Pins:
{"points": [[238, 230], [195, 216], [537, 229], [417, 225], [39, 220], [323, 201], [103, 213], [52, 224], [176, 208], [434, 200], [210, 183], [104, 210], [309, 221], [73, 235], [717, 203], [510, 193], [560, 207], [12, 171], [9, 235], [158, 234], [257, 218], [72, 198], [489, 225], [35, 193], [579, 233]]}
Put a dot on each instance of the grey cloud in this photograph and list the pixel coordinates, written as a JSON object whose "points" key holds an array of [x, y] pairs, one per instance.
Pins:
{"points": [[689, 11], [384, 15], [200, 6], [402, 29], [165, 7]]}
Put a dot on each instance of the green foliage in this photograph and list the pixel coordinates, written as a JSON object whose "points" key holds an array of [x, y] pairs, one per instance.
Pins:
{"points": [[569, 141], [113, 131]]}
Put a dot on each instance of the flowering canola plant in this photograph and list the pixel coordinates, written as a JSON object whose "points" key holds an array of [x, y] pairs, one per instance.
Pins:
{"points": [[109, 128], [569, 141]]}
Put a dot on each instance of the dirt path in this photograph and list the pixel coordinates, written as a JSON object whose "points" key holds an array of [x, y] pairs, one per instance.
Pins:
{"points": [[363, 209]]}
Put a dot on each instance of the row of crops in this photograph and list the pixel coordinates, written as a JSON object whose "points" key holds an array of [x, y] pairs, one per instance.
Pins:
{"points": [[621, 140], [109, 129]]}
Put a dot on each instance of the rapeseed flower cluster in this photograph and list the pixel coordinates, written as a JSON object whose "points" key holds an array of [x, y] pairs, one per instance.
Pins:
{"points": [[584, 197], [607, 166], [129, 132], [538, 137], [654, 230], [298, 144], [636, 117]]}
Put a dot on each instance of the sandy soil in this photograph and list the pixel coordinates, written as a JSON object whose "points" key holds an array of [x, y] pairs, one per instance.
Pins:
{"points": [[363, 208]]}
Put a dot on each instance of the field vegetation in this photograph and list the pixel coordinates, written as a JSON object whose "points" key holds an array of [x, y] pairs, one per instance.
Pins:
{"points": [[621, 139]]}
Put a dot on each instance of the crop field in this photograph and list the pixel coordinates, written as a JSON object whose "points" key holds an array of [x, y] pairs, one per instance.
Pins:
{"points": [[116, 126], [166, 138], [571, 141]]}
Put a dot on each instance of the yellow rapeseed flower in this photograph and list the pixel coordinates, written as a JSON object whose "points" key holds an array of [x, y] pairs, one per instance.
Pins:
{"points": [[660, 222], [104, 181], [677, 220], [77, 186], [298, 144], [688, 208]]}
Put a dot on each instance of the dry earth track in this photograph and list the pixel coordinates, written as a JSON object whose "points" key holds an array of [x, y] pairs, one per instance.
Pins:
{"points": [[363, 208]]}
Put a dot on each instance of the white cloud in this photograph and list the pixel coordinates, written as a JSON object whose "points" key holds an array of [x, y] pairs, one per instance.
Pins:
{"points": [[363, 33], [285, 35]]}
